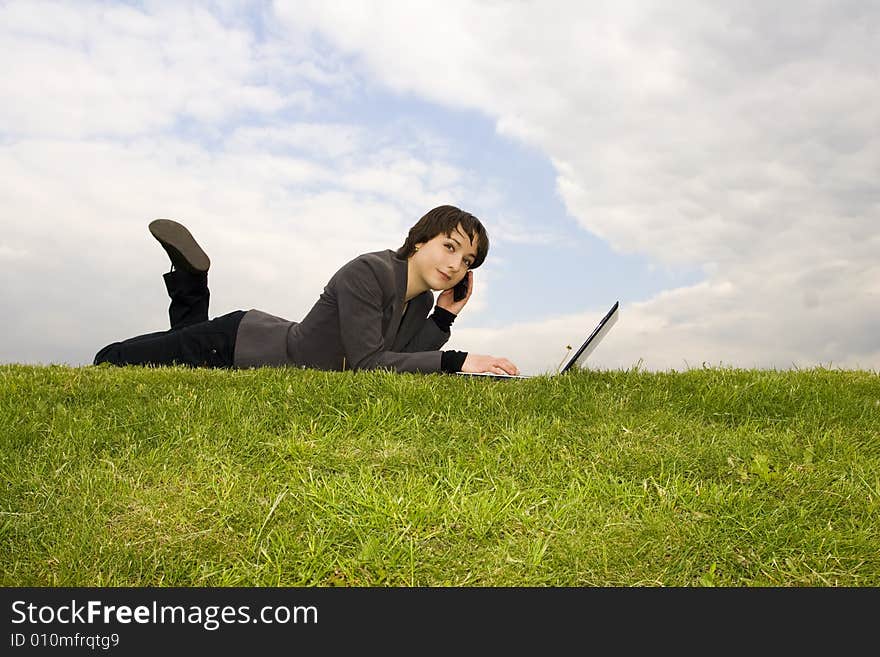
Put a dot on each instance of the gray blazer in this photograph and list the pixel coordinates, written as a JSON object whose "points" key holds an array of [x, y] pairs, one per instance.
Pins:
{"points": [[358, 322]]}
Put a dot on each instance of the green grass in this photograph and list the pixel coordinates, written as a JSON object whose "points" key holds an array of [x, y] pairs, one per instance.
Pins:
{"points": [[274, 477]]}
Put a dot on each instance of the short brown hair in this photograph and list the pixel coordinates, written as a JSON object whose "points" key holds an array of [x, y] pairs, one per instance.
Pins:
{"points": [[444, 219]]}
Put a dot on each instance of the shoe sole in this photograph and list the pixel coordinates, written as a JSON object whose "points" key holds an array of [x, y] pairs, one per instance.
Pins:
{"points": [[180, 245]]}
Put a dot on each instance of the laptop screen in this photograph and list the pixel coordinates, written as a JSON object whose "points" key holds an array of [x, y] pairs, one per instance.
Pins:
{"points": [[594, 338]]}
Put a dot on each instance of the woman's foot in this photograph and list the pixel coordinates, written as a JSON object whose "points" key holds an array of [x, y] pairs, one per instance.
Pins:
{"points": [[181, 246]]}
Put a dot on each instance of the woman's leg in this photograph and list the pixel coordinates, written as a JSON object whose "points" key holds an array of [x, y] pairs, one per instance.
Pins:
{"points": [[187, 282], [189, 305], [203, 344], [189, 297], [187, 285]]}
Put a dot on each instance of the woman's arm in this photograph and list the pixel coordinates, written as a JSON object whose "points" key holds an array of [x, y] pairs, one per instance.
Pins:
{"points": [[360, 302], [434, 330]]}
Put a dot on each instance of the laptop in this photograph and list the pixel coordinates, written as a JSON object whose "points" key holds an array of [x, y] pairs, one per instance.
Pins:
{"points": [[580, 355]]}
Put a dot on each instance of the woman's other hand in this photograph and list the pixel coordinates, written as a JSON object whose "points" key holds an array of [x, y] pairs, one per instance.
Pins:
{"points": [[477, 363]]}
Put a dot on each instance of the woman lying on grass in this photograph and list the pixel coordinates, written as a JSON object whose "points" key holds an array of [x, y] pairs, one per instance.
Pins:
{"points": [[372, 314]]}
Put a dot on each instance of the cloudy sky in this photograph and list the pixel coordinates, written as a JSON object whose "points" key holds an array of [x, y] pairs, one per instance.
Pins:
{"points": [[714, 166]]}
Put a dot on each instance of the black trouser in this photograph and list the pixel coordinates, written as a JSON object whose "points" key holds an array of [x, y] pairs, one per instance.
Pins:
{"points": [[193, 339]]}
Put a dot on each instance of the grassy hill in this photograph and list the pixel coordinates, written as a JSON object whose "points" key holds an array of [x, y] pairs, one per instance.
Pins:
{"points": [[174, 476]]}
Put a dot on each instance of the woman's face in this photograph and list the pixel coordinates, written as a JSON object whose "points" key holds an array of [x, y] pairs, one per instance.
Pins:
{"points": [[443, 261]]}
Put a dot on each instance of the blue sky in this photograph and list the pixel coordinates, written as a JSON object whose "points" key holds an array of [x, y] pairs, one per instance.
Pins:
{"points": [[711, 166]]}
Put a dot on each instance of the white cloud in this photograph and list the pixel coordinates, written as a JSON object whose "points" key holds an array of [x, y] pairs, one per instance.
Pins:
{"points": [[317, 140], [97, 69]]}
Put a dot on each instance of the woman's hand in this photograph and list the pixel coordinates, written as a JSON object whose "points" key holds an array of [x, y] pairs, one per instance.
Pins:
{"points": [[479, 363], [445, 300]]}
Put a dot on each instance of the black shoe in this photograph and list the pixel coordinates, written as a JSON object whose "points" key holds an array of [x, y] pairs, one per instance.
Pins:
{"points": [[182, 248]]}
